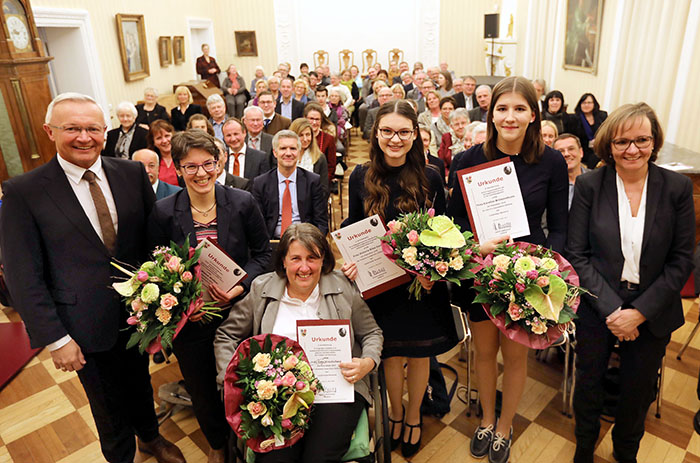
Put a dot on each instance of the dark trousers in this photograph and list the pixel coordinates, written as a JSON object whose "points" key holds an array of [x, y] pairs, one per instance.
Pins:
{"points": [[326, 440], [640, 361], [118, 387], [194, 349]]}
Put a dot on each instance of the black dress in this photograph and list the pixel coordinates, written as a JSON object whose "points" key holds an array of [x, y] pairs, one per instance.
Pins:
{"points": [[544, 186], [578, 125], [411, 328], [146, 117], [180, 120]]}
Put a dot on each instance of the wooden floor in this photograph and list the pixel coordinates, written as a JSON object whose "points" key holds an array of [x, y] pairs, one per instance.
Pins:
{"points": [[45, 417]]}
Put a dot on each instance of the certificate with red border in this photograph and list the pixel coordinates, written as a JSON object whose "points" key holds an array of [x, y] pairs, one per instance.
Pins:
{"points": [[326, 344], [360, 243], [493, 200]]}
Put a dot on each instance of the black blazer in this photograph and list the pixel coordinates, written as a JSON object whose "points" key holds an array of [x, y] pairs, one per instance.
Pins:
{"points": [[180, 120], [138, 141], [256, 163], [310, 199], [297, 108], [241, 183], [56, 267], [460, 101], [240, 227], [146, 117], [594, 247]]}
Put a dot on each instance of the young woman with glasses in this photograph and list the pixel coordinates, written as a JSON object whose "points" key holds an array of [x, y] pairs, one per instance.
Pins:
{"points": [[394, 181], [230, 218]]}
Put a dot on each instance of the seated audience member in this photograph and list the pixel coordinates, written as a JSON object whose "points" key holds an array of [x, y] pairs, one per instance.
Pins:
{"points": [[150, 110], [444, 68], [217, 111], [403, 67], [226, 178], [433, 73], [383, 75], [370, 101], [321, 126], [466, 97], [457, 85], [442, 125], [151, 163], [159, 141], [540, 90], [348, 81], [393, 73], [313, 83], [207, 68], [273, 85], [555, 110], [345, 95], [288, 106], [259, 76], [289, 195], [326, 73], [367, 82], [253, 119], [322, 100], [311, 157], [426, 135], [230, 218], [478, 136], [432, 113], [418, 79], [272, 121], [260, 86], [357, 78], [483, 99], [235, 92], [287, 70], [181, 113], [384, 95], [303, 69], [200, 121], [585, 123], [455, 140], [128, 137], [570, 147], [426, 87], [301, 89], [244, 161], [417, 66], [444, 81], [398, 91], [274, 304], [407, 82], [340, 114], [549, 132]]}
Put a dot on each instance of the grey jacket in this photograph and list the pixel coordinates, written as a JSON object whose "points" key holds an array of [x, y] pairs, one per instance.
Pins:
{"points": [[257, 313]]}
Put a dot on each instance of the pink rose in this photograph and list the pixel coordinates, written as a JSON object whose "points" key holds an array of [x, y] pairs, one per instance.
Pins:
{"points": [[187, 276], [132, 321], [392, 226], [431, 212], [277, 382], [543, 281], [168, 301], [257, 409], [442, 267], [174, 264], [413, 237], [289, 380], [142, 276], [286, 423], [137, 305], [300, 385], [520, 287], [290, 362], [515, 311], [532, 274]]}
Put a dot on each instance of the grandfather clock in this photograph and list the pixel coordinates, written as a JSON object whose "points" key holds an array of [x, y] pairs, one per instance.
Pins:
{"points": [[25, 91]]}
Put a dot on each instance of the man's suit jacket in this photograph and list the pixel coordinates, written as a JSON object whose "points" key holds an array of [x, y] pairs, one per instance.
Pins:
{"points": [[56, 266], [595, 251], [165, 189], [256, 163], [265, 142], [277, 123], [310, 199], [138, 141], [414, 94], [408, 87], [369, 123], [460, 101], [241, 183], [297, 109], [476, 114], [239, 224]]}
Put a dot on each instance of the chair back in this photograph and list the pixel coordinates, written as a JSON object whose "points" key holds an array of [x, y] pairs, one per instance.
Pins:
{"points": [[369, 57], [346, 58], [395, 56], [320, 58]]}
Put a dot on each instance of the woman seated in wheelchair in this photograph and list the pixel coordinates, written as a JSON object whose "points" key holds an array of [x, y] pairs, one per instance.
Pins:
{"points": [[304, 286]]}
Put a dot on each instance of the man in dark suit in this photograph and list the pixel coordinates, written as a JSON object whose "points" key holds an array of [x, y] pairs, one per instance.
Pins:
{"points": [[243, 161], [151, 162], [253, 119], [289, 195], [287, 105], [272, 121], [225, 177], [60, 227], [466, 98], [483, 98]]}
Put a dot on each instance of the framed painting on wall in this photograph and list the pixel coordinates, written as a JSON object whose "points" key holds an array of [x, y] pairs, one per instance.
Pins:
{"points": [[179, 49], [165, 51], [132, 44], [246, 45], [584, 20]]}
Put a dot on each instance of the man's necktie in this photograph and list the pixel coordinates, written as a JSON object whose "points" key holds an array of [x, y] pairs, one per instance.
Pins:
{"points": [[109, 236], [254, 143], [286, 208], [267, 122], [236, 165]]}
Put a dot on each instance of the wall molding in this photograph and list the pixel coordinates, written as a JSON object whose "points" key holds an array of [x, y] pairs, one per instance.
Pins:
{"points": [[428, 37]]}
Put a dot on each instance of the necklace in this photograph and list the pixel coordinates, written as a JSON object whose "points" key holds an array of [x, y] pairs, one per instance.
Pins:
{"points": [[204, 213]]}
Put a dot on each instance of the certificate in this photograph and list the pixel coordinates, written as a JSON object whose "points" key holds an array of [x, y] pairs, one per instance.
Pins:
{"points": [[217, 267], [360, 243], [494, 202], [326, 344]]}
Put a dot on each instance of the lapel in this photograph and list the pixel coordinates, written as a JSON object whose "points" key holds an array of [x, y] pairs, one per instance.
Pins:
{"points": [[251, 165], [609, 192], [160, 191], [223, 219], [182, 220], [58, 189], [119, 184], [655, 185], [302, 182], [273, 196]]}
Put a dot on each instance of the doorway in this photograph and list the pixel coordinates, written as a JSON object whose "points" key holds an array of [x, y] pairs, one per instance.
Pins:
{"points": [[201, 32]]}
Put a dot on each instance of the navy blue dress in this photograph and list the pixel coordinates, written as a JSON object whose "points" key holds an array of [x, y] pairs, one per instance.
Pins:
{"points": [[411, 328], [544, 186]]}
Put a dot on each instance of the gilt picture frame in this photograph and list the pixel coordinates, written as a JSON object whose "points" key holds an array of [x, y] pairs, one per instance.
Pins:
{"points": [[131, 33]]}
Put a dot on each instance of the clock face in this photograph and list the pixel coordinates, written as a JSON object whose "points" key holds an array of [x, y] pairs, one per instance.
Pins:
{"points": [[19, 34]]}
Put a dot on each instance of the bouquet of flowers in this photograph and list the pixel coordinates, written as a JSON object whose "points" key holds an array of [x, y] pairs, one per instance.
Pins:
{"points": [[162, 294], [530, 292], [268, 392], [430, 246]]}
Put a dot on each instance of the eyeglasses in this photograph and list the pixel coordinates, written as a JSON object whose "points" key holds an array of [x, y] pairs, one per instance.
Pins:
{"points": [[93, 130], [192, 169], [387, 133], [621, 144]]}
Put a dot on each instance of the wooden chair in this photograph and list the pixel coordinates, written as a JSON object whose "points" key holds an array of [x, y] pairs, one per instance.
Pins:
{"points": [[395, 56], [369, 57], [346, 58], [320, 57]]}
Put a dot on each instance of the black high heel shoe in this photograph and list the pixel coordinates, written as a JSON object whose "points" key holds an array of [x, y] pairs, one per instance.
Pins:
{"points": [[408, 449], [395, 442]]}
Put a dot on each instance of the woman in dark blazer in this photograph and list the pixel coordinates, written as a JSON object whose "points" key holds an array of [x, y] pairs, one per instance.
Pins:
{"points": [[585, 122], [128, 137], [207, 68], [150, 110], [185, 109], [631, 237], [229, 217]]}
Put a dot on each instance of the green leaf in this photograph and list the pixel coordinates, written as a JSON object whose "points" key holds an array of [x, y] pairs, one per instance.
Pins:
{"points": [[547, 305], [482, 298], [267, 345], [443, 233], [254, 348]]}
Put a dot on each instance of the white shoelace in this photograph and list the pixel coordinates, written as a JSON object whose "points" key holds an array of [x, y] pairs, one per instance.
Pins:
{"points": [[499, 441], [483, 432]]}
